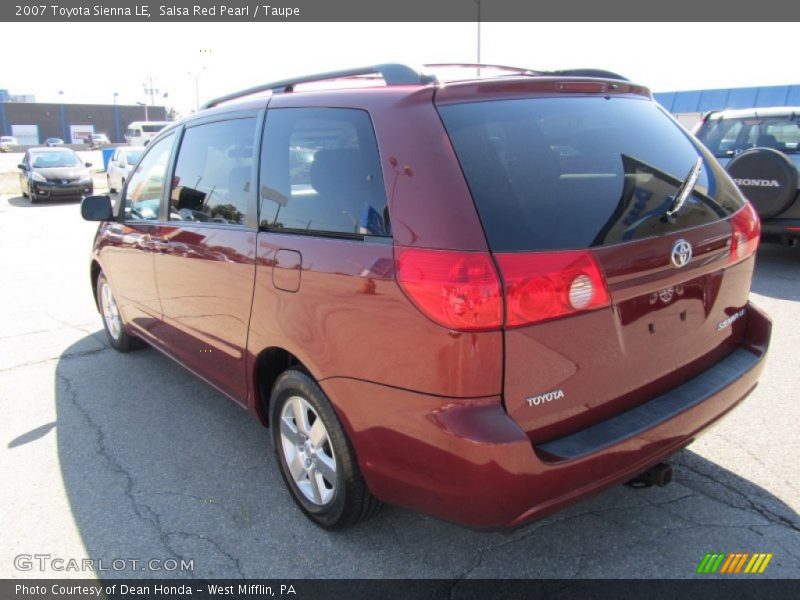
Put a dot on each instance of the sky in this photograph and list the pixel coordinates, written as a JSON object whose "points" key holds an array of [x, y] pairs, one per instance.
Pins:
{"points": [[224, 57]]}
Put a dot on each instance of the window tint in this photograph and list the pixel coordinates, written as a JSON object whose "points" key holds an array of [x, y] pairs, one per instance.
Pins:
{"points": [[212, 181], [576, 172], [320, 172], [143, 193]]}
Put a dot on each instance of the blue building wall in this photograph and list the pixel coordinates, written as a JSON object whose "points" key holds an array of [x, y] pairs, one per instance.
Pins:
{"points": [[698, 101]]}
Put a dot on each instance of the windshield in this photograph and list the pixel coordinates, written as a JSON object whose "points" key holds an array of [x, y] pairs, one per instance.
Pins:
{"points": [[577, 172], [152, 128], [132, 157], [52, 160], [729, 137]]}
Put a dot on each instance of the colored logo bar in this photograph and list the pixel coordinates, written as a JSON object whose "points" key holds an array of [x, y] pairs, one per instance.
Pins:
{"points": [[734, 562]]}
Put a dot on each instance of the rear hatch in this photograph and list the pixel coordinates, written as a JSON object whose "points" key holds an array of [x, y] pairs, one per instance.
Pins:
{"points": [[609, 300]]}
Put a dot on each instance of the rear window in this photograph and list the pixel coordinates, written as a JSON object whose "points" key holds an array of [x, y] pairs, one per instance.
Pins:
{"points": [[578, 172], [731, 136]]}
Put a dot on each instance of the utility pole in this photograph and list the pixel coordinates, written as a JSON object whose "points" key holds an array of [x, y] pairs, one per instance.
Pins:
{"points": [[150, 90], [196, 75], [478, 2]]}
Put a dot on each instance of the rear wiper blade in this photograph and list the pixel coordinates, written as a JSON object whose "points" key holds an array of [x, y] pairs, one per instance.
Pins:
{"points": [[686, 188]]}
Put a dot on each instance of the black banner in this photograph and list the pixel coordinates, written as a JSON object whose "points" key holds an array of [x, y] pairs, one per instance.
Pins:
{"points": [[402, 10], [304, 589]]}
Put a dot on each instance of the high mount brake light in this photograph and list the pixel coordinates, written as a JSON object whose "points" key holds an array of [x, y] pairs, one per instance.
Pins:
{"points": [[746, 234], [546, 285]]}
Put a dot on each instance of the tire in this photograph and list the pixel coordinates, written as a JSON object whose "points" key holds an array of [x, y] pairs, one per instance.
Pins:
{"points": [[34, 198], [112, 320], [331, 489], [111, 190]]}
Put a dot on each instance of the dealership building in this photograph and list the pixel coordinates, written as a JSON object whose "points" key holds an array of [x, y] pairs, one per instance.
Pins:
{"points": [[689, 106], [33, 122]]}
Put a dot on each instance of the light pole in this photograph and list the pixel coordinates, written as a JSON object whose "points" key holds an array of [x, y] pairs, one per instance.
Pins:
{"points": [[196, 75], [115, 98], [146, 117], [478, 2]]}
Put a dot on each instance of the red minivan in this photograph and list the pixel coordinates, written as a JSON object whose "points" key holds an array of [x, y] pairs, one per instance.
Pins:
{"points": [[482, 300]]}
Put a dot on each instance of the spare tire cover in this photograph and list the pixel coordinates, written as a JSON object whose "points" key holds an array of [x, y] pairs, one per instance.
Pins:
{"points": [[767, 178]]}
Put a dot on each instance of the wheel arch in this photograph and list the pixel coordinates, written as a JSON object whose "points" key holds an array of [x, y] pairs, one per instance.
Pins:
{"points": [[94, 270], [269, 364]]}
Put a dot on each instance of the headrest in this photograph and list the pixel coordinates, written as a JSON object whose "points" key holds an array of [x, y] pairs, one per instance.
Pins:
{"points": [[336, 172]]}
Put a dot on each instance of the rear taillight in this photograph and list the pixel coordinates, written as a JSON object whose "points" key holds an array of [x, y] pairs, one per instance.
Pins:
{"points": [[541, 286], [746, 233], [458, 290]]}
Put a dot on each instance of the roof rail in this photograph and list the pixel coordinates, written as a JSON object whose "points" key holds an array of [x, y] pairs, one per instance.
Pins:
{"points": [[600, 73], [392, 74], [515, 70]]}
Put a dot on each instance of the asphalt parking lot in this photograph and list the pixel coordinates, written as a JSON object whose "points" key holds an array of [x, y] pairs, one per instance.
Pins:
{"points": [[110, 456]]}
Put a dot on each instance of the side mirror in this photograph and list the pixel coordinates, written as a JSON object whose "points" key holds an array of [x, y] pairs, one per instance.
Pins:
{"points": [[96, 208], [21, 167], [88, 165]]}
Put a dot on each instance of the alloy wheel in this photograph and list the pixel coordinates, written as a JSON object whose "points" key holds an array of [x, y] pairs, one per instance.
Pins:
{"points": [[307, 451]]}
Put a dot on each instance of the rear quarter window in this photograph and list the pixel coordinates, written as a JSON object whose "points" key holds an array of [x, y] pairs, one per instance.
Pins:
{"points": [[321, 173], [578, 172]]}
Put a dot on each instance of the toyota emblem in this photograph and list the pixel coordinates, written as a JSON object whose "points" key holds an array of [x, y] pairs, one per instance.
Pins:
{"points": [[681, 253]]}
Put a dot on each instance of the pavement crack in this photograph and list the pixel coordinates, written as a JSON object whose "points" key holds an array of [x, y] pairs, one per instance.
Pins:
{"points": [[186, 535], [753, 506], [530, 531], [141, 509], [63, 357]]}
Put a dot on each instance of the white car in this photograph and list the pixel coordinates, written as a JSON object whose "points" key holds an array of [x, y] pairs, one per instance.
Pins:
{"points": [[121, 166], [8, 143], [98, 140]]}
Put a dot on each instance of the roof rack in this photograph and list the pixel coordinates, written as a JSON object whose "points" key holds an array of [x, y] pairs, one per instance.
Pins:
{"points": [[600, 73], [399, 74], [514, 70], [391, 73]]}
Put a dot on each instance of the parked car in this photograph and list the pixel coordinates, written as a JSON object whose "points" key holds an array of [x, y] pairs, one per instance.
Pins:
{"points": [[121, 164], [760, 148], [54, 173], [483, 300], [8, 143], [98, 140], [53, 142]]}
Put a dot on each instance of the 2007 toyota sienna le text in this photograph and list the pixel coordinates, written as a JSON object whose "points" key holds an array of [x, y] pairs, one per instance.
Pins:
{"points": [[482, 300]]}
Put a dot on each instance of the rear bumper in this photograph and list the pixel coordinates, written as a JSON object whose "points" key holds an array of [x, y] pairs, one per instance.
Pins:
{"points": [[466, 460]]}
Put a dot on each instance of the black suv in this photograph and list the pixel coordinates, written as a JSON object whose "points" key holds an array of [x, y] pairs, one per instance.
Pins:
{"points": [[760, 148]]}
